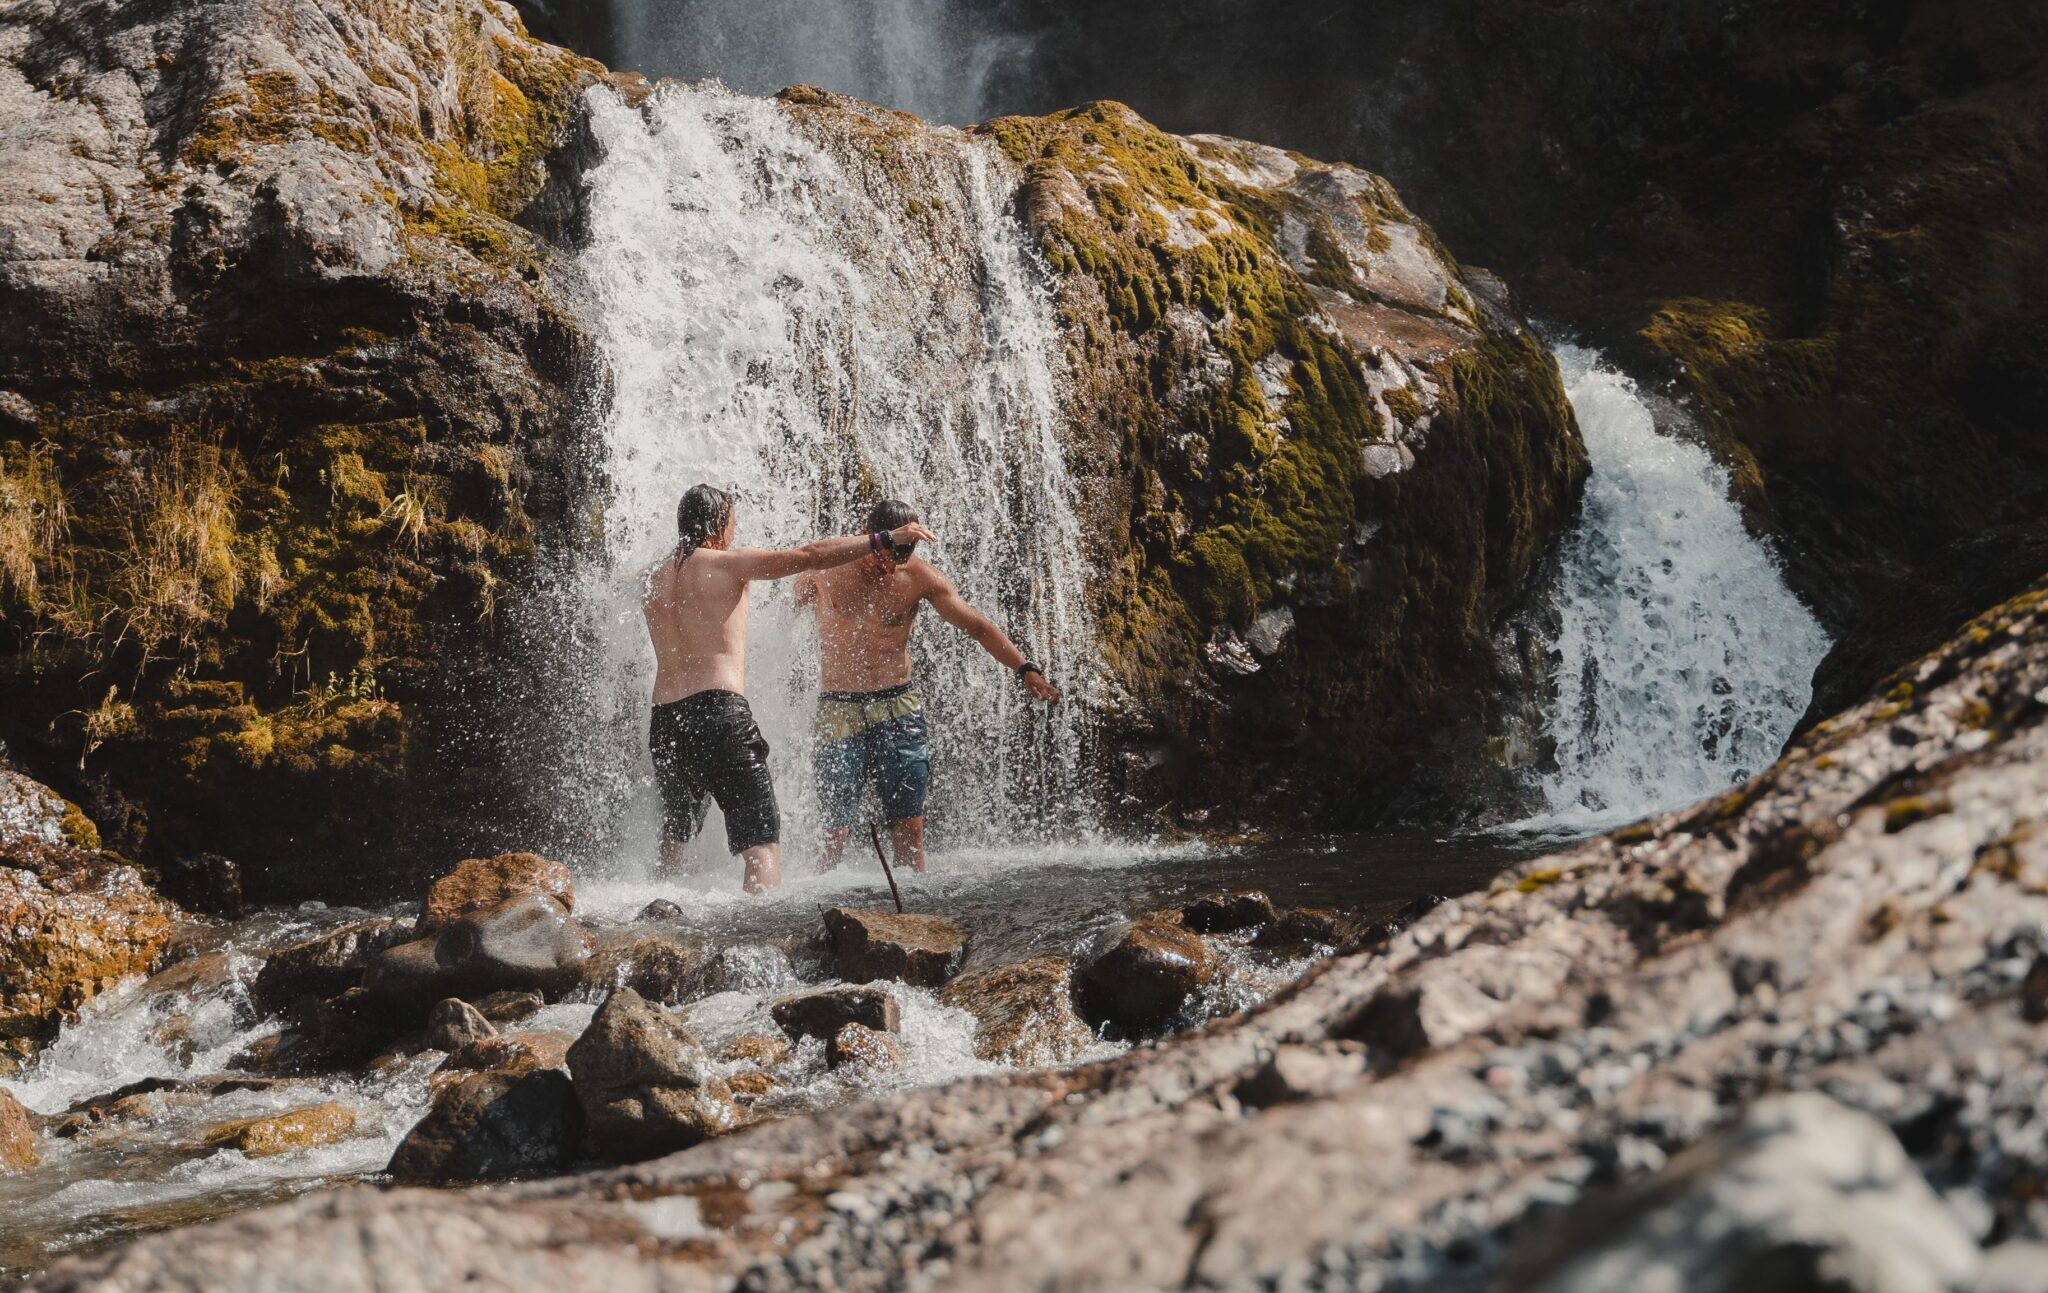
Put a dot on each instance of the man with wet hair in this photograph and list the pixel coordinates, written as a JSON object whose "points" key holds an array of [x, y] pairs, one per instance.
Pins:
{"points": [[702, 735], [871, 724]]}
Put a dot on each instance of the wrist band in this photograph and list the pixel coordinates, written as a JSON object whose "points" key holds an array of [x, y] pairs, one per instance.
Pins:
{"points": [[878, 540], [1028, 667]]}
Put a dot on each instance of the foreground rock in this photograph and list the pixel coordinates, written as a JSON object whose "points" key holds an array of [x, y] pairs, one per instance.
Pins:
{"points": [[1142, 976], [1860, 920], [1024, 1014], [73, 921], [1800, 1194], [479, 883], [492, 1125], [644, 1082], [922, 951]]}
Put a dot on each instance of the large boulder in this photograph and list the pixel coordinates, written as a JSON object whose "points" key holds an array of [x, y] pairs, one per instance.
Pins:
{"points": [[73, 921], [823, 1013], [527, 943], [492, 1125], [17, 1136], [645, 1083], [326, 964], [1142, 976], [1024, 1014], [478, 883], [923, 951]]}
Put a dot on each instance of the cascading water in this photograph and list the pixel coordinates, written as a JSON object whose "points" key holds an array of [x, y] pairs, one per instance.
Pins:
{"points": [[1682, 660], [802, 326]]}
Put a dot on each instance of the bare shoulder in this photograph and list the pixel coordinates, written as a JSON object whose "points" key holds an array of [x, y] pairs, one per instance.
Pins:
{"points": [[929, 580], [656, 579]]}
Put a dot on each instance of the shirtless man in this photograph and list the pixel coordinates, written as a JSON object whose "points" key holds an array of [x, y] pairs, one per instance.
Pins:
{"points": [[703, 735], [871, 727]]}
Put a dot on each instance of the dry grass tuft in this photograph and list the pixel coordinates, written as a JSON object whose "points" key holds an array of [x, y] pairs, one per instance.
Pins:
{"points": [[179, 572], [32, 525]]}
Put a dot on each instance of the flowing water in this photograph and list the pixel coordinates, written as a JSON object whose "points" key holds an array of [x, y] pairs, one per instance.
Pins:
{"points": [[1682, 660], [780, 319]]}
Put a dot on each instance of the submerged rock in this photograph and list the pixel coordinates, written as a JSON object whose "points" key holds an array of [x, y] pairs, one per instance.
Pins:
{"points": [[17, 1136], [1227, 913], [923, 951], [1024, 1014], [479, 883], [859, 1046], [824, 1013], [1143, 975], [492, 1125], [285, 1133], [1800, 1194], [645, 1084]]}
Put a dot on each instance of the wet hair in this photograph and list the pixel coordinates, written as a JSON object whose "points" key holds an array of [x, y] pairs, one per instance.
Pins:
{"points": [[889, 514], [701, 517]]}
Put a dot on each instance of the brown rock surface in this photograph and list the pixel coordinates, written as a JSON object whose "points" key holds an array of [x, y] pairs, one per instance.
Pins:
{"points": [[522, 1052], [478, 883], [492, 1125], [1143, 975], [859, 1046], [923, 951], [326, 964], [1024, 1013], [825, 1012], [1226, 913], [646, 1086], [17, 1136], [453, 1024], [285, 1133]]}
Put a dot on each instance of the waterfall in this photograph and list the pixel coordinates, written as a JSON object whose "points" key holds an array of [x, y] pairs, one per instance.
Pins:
{"points": [[931, 57], [1681, 659], [791, 318]]}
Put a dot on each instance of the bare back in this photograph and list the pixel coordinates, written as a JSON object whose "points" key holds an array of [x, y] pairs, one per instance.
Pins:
{"points": [[864, 622], [696, 609]]}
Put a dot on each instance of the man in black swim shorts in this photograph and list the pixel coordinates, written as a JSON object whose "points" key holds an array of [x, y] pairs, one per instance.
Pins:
{"points": [[702, 734]]}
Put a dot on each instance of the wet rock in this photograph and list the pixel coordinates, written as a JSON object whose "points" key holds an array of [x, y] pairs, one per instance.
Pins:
{"points": [[285, 1133], [2034, 992], [509, 1007], [17, 1136], [1142, 976], [521, 1052], [326, 964], [1301, 1073], [1802, 1193], [204, 882], [660, 910], [1303, 929], [73, 921], [480, 883], [825, 1012], [863, 1047], [492, 1125], [645, 1083], [342, 1031], [751, 1086], [1226, 913], [659, 969], [758, 1048], [923, 951], [1024, 1013], [453, 1024], [526, 943]]}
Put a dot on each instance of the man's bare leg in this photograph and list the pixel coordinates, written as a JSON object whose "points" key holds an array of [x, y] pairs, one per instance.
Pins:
{"points": [[835, 848], [672, 853], [764, 868], [906, 841]]}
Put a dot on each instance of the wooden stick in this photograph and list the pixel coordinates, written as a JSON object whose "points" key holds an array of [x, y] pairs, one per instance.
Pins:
{"points": [[875, 834]]}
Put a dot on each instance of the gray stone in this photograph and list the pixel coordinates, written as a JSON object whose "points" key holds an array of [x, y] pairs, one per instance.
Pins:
{"points": [[453, 1024], [326, 964]]}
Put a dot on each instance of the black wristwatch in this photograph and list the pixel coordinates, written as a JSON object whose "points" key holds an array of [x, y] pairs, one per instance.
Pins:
{"points": [[1028, 667]]}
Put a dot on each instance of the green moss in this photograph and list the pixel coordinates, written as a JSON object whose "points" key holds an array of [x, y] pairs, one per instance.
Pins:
{"points": [[1540, 879], [79, 830]]}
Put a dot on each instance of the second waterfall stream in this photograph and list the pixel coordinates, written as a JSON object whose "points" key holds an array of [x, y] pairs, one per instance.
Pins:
{"points": [[813, 325]]}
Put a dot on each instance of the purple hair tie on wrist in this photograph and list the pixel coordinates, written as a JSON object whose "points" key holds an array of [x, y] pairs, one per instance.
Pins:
{"points": [[878, 540]]}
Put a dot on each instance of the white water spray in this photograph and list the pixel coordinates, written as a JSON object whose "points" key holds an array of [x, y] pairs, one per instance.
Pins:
{"points": [[793, 318], [1682, 659]]}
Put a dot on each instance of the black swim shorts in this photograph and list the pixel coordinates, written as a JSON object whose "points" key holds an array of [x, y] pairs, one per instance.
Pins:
{"points": [[708, 744]]}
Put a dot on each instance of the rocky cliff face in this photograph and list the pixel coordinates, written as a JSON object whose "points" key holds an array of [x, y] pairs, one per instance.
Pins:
{"points": [[294, 383], [289, 398], [1795, 1029]]}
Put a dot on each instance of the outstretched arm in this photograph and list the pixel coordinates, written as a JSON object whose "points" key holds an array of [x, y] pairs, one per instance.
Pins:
{"points": [[954, 609], [822, 554]]}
